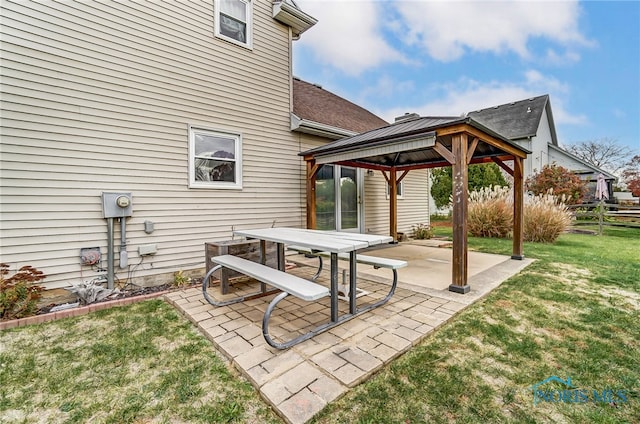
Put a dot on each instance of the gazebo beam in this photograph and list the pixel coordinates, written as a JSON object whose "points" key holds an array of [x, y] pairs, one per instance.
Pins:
{"points": [[312, 172], [518, 209], [460, 174], [444, 152], [472, 149], [502, 165], [393, 204]]}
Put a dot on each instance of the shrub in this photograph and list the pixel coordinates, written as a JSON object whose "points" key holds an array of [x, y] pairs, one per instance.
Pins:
{"points": [[490, 212], [545, 217], [18, 294], [180, 280], [422, 232], [562, 181]]}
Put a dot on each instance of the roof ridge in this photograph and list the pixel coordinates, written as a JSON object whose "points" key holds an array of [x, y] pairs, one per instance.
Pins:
{"points": [[528, 99]]}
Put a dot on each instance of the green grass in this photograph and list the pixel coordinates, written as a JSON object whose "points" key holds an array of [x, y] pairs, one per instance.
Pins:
{"points": [[142, 363], [575, 312]]}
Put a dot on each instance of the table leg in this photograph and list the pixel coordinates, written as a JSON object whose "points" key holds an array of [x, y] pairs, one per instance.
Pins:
{"points": [[280, 257], [263, 261], [334, 287], [352, 282]]}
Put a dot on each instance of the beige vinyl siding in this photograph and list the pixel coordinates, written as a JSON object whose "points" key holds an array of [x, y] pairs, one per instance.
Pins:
{"points": [[98, 97], [413, 207]]}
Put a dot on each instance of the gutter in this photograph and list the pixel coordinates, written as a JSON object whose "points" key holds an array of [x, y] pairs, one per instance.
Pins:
{"points": [[316, 128]]}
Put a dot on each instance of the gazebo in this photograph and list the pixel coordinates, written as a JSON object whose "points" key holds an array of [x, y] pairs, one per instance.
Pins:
{"points": [[428, 142]]}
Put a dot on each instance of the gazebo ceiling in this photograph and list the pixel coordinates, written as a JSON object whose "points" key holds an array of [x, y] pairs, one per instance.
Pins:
{"points": [[412, 145]]}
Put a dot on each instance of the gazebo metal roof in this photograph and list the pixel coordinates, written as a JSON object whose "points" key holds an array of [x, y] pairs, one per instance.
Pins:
{"points": [[411, 144]]}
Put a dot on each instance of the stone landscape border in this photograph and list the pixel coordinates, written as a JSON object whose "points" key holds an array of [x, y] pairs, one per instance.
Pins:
{"points": [[74, 312]]}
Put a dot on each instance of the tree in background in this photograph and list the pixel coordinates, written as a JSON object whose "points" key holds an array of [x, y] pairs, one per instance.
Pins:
{"points": [[482, 175], [631, 175], [604, 153], [560, 180]]}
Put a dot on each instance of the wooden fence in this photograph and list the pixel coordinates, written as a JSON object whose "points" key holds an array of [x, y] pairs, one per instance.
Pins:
{"points": [[601, 213]]}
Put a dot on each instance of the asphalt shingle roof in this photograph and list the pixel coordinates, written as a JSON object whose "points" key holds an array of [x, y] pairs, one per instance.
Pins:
{"points": [[312, 103], [514, 120]]}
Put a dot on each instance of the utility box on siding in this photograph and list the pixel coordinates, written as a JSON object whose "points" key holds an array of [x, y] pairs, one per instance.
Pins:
{"points": [[247, 249]]}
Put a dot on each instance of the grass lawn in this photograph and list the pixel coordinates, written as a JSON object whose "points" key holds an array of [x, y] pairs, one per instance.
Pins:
{"points": [[575, 312], [143, 363]]}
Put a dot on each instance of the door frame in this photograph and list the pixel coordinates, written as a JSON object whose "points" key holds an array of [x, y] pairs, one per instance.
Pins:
{"points": [[337, 175]]}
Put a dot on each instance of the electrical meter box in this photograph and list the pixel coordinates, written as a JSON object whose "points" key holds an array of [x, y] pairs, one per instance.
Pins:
{"points": [[117, 205]]}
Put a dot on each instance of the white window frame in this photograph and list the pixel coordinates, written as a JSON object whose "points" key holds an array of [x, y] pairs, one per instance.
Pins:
{"points": [[399, 187], [236, 137], [249, 23]]}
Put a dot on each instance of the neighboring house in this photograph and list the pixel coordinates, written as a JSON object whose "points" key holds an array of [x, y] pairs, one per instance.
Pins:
{"points": [[188, 109], [530, 123]]}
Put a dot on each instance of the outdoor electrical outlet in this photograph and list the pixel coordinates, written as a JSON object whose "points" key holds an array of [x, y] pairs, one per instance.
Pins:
{"points": [[147, 249]]}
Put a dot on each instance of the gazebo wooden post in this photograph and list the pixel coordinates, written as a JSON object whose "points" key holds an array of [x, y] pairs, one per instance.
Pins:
{"points": [[460, 206], [518, 209], [312, 171], [393, 204]]}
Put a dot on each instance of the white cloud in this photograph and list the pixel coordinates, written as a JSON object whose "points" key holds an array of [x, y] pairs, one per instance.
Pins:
{"points": [[567, 57], [348, 35], [466, 95], [357, 35], [387, 87], [448, 29]]}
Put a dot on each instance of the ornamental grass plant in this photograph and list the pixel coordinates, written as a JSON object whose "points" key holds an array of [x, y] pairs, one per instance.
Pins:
{"points": [[545, 217], [490, 212]]}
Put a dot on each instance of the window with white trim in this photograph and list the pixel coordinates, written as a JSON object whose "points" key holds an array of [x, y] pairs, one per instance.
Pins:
{"points": [[215, 159], [399, 187], [233, 21]]}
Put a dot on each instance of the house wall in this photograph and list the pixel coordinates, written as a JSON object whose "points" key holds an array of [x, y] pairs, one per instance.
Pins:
{"points": [[540, 146], [568, 162], [98, 96], [413, 207]]}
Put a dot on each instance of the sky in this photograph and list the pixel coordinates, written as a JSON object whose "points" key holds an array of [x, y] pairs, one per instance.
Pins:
{"points": [[447, 58]]}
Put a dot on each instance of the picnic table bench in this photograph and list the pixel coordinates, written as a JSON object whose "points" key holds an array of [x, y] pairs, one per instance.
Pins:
{"points": [[288, 284]]}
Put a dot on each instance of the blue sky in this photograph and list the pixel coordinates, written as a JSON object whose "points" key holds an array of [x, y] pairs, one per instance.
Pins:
{"points": [[451, 57]]}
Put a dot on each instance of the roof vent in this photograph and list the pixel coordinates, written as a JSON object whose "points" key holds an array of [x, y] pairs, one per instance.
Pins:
{"points": [[406, 117], [528, 110], [317, 85]]}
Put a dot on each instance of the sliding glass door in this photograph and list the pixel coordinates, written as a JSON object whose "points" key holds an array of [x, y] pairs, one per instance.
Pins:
{"points": [[338, 198]]}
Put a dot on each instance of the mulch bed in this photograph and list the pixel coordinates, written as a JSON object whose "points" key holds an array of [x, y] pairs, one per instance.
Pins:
{"points": [[124, 294]]}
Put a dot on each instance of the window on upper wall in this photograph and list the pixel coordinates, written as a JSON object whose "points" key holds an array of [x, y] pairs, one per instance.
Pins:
{"points": [[233, 21], [215, 159], [399, 187]]}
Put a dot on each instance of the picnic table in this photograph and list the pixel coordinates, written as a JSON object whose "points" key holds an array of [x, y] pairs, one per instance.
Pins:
{"points": [[334, 244]]}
